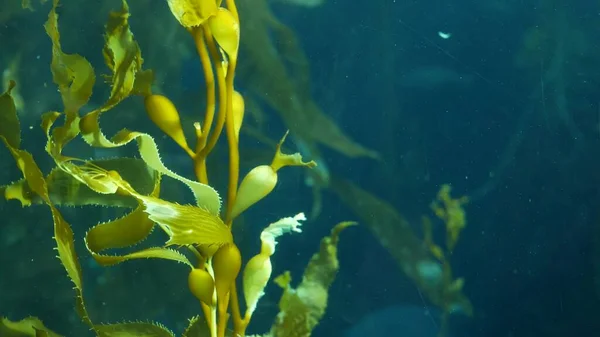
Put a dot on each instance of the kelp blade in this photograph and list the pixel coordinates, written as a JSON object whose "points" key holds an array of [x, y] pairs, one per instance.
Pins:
{"points": [[64, 190], [27, 327]]}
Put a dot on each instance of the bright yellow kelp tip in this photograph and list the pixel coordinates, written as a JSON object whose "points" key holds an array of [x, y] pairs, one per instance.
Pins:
{"points": [[193, 13], [258, 270]]}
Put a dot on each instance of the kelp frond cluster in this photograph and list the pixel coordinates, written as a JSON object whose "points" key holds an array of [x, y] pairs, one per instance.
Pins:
{"points": [[199, 235], [203, 228]]}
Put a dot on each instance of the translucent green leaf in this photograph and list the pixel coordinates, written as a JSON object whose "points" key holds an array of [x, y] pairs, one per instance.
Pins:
{"points": [[302, 308], [64, 190]]}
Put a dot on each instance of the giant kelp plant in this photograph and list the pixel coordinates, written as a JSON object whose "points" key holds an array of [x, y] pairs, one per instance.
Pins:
{"points": [[200, 236], [202, 229]]}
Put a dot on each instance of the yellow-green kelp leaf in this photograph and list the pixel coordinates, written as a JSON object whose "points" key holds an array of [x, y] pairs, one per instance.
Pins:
{"points": [[302, 308], [133, 329], [9, 122], [72, 73], [27, 327], [65, 190], [119, 233], [123, 57], [63, 233], [187, 224], [75, 78]]}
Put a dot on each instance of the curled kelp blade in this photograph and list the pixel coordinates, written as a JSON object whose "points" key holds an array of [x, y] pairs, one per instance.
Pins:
{"points": [[206, 196], [119, 233], [127, 231], [133, 329], [27, 327], [301, 309], [123, 56]]}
